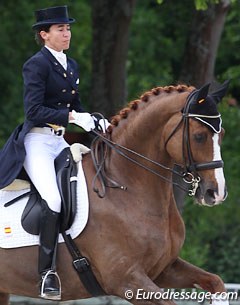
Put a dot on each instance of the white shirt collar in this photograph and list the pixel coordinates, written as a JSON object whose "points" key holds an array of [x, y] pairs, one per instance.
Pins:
{"points": [[60, 56], [54, 52]]}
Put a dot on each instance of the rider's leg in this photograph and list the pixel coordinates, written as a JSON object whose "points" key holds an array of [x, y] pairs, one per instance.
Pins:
{"points": [[41, 151], [50, 287]]}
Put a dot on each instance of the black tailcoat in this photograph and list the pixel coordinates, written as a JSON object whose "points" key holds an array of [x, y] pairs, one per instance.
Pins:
{"points": [[50, 92]]}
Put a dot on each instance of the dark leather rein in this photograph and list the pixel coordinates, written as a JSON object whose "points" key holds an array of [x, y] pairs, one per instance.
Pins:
{"points": [[101, 144]]}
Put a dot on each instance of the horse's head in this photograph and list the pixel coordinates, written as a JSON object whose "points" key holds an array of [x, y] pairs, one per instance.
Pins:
{"points": [[167, 125], [201, 133]]}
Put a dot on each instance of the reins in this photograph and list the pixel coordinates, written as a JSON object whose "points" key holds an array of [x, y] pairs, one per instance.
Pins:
{"points": [[99, 154]]}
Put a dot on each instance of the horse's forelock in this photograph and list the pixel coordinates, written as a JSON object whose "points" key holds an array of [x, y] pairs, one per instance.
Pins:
{"points": [[144, 98]]}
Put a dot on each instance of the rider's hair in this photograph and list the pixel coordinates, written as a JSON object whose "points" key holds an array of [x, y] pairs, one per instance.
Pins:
{"points": [[38, 37]]}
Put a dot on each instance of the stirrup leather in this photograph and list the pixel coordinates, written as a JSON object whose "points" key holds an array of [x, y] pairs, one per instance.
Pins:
{"points": [[50, 296]]}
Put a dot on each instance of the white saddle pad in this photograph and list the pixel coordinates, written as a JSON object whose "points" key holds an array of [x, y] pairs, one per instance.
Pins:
{"points": [[12, 234]]}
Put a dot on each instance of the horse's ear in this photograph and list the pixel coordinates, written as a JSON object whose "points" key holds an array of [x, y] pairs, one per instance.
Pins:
{"points": [[220, 92], [200, 94]]}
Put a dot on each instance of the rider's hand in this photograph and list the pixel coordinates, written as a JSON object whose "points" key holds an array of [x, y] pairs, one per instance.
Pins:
{"points": [[82, 119], [101, 124]]}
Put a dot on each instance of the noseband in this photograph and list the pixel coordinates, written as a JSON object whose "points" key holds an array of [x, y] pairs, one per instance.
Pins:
{"points": [[102, 143]]}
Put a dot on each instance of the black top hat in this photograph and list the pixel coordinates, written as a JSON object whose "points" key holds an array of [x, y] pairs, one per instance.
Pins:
{"points": [[52, 15]]}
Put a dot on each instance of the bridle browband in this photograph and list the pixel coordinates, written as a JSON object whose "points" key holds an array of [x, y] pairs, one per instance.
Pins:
{"points": [[102, 143]]}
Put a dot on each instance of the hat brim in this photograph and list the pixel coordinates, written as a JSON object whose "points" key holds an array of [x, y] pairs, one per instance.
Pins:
{"points": [[51, 22]]}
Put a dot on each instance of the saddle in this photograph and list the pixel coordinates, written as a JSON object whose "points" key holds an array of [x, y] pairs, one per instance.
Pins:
{"points": [[66, 173]]}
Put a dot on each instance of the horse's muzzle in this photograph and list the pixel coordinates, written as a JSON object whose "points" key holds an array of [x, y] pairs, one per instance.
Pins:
{"points": [[209, 196]]}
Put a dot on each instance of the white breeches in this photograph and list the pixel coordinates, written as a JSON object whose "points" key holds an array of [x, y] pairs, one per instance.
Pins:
{"points": [[41, 150]]}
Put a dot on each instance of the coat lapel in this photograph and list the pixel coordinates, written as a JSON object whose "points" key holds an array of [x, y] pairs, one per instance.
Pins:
{"points": [[68, 75]]}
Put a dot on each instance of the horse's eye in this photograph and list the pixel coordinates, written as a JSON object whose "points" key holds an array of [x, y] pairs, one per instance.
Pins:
{"points": [[200, 137]]}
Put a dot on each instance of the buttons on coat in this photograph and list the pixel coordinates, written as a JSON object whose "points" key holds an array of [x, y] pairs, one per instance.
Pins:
{"points": [[67, 105], [65, 90]]}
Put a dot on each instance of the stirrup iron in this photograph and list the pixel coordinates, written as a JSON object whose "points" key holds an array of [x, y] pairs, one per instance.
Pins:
{"points": [[50, 296]]}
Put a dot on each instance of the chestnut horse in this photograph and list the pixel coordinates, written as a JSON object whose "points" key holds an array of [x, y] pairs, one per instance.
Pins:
{"points": [[135, 232]]}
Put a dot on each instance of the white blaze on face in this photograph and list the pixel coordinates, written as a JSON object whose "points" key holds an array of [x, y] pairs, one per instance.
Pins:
{"points": [[218, 171]]}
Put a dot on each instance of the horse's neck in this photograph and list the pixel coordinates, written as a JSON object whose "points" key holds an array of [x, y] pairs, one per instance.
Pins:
{"points": [[142, 132], [143, 129], [141, 125]]}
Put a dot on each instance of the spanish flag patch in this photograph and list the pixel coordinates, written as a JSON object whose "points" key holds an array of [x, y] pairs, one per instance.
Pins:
{"points": [[7, 230]]}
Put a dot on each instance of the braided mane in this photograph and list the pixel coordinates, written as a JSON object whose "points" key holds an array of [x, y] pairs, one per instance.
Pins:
{"points": [[133, 105]]}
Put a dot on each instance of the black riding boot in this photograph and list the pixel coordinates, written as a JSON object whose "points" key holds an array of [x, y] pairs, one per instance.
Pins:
{"points": [[50, 286]]}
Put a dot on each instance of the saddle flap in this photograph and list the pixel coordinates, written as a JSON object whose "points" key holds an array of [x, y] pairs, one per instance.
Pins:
{"points": [[66, 173], [31, 214]]}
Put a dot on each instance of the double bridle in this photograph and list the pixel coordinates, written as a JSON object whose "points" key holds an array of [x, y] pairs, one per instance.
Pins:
{"points": [[190, 170], [102, 143], [190, 165]]}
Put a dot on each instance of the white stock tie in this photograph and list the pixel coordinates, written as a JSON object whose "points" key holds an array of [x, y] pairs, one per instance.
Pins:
{"points": [[62, 58]]}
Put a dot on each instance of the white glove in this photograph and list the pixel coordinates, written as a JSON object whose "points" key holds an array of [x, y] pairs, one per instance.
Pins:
{"points": [[101, 125], [83, 119]]}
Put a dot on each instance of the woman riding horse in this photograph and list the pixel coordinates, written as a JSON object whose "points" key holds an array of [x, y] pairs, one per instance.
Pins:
{"points": [[135, 232]]}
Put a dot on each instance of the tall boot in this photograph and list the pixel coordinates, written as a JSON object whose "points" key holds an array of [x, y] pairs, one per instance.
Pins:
{"points": [[50, 286]]}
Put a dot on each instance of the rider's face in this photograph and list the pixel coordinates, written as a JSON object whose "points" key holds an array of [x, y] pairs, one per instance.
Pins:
{"points": [[58, 38]]}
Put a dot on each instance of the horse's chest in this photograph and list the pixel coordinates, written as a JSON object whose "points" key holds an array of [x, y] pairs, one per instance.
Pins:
{"points": [[164, 244], [176, 233]]}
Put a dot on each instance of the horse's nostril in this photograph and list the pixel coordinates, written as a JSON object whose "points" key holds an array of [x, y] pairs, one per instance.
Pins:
{"points": [[209, 197], [210, 193]]}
